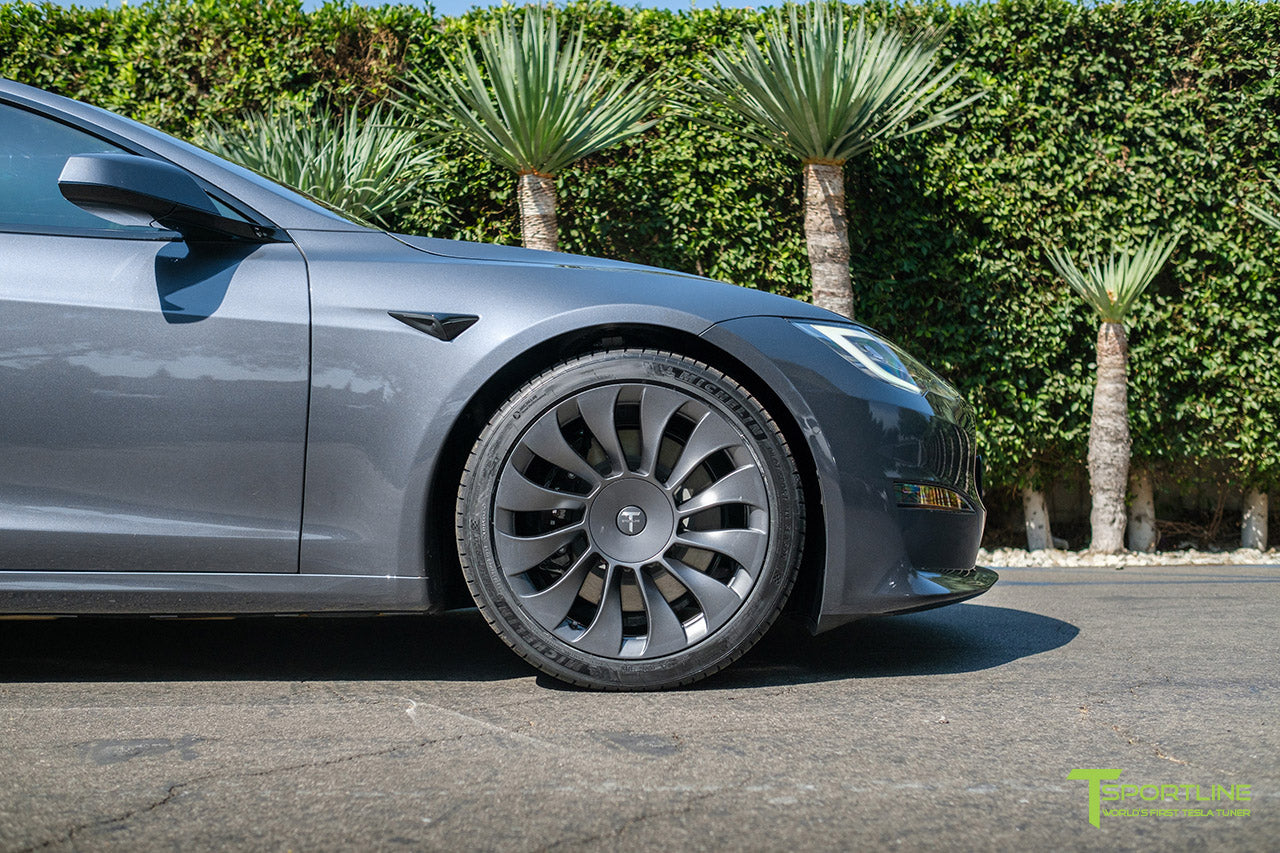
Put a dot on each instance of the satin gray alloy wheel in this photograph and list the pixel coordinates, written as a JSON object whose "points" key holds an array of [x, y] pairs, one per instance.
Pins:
{"points": [[630, 519]]}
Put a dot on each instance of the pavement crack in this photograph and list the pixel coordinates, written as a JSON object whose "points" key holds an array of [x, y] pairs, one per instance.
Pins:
{"points": [[177, 788], [71, 833], [342, 759], [1135, 740], [1132, 739]]}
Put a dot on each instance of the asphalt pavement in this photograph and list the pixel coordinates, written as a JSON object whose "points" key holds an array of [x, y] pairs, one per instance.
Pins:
{"points": [[951, 729]]}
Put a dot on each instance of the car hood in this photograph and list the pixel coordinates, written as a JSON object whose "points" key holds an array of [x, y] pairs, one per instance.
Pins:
{"points": [[519, 255], [713, 299]]}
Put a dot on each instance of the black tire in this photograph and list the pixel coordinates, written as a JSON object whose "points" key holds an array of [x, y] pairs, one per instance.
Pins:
{"points": [[670, 546]]}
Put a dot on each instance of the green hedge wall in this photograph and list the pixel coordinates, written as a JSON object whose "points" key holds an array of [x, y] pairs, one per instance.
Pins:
{"points": [[1098, 120]]}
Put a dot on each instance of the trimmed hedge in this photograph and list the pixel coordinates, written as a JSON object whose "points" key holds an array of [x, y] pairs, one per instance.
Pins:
{"points": [[1099, 120]]}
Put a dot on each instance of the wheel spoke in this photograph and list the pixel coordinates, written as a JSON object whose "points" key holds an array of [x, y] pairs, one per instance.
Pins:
{"points": [[598, 410], [711, 434], [744, 547], [545, 439], [518, 494], [657, 405], [718, 601], [604, 635], [666, 634], [552, 604], [742, 486], [519, 554]]}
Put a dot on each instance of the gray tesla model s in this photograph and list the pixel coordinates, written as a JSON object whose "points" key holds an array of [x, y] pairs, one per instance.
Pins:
{"points": [[217, 396]]}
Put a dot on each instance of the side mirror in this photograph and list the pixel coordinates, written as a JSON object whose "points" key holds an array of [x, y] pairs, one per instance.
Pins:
{"points": [[132, 190]]}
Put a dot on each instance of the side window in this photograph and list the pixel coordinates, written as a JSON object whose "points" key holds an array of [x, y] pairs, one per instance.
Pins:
{"points": [[33, 150]]}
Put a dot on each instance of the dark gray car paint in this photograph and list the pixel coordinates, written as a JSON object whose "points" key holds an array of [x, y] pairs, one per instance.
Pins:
{"points": [[384, 396], [865, 435], [154, 400], [120, 594]]}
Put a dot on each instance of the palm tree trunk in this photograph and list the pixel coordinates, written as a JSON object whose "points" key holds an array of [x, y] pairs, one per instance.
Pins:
{"points": [[1142, 512], [1035, 518], [826, 229], [538, 227], [1109, 440], [1253, 524]]}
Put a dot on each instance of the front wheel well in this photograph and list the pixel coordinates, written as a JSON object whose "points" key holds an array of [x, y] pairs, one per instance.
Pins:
{"points": [[446, 587]]}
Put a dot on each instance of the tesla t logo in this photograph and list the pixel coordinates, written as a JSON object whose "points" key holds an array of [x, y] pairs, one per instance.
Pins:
{"points": [[631, 520]]}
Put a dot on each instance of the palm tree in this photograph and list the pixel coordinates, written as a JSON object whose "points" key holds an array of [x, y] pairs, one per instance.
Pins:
{"points": [[533, 105], [366, 167], [1112, 287], [826, 96]]}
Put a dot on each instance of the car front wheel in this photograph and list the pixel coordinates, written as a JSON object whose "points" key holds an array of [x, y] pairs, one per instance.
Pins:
{"points": [[631, 519]]}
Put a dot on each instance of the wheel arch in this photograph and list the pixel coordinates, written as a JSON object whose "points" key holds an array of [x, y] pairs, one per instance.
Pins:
{"points": [[446, 585]]}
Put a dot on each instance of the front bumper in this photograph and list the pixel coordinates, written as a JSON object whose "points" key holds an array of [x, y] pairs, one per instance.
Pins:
{"points": [[865, 437]]}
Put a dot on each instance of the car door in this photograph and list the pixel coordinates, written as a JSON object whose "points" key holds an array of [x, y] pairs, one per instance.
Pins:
{"points": [[153, 391]]}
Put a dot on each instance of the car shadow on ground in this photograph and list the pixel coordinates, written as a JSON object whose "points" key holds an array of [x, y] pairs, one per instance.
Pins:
{"points": [[459, 646], [956, 639]]}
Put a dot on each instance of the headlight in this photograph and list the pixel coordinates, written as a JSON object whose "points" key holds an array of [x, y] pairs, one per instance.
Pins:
{"points": [[882, 359], [878, 357]]}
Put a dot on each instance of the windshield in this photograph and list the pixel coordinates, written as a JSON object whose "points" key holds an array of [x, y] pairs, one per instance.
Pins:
{"points": [[303, 195]]}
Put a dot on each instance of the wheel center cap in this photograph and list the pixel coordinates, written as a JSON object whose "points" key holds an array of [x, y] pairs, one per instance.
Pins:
{"points": [[631, 520]]}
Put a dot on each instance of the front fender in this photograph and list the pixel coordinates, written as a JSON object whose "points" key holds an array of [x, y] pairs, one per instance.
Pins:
{"points": [[385, 396]]}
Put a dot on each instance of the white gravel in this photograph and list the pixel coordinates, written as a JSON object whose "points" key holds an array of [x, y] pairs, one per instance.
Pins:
{"points": [[1016, 557]]}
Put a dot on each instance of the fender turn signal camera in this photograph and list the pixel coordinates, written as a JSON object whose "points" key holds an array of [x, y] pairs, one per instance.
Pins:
{"points": [[931, 497]]}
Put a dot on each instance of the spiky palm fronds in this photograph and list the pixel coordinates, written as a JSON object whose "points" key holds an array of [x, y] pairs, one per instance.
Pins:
{"points": [[529, 102], [368, 167], [1111, 286], [1262, 214], [827, 95]]}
